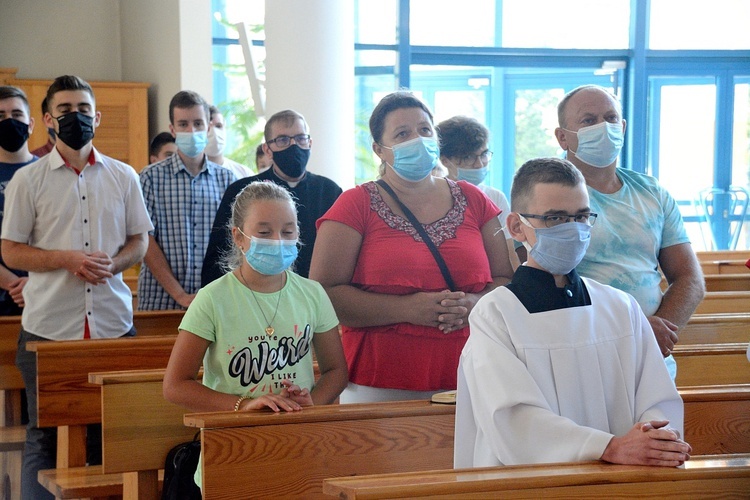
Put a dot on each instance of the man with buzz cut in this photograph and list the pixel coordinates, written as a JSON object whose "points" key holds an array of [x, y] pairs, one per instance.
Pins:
{"points": [[182, 195], [74, 220]]}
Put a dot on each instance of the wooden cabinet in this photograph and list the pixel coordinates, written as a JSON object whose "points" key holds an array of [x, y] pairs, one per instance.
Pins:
{"points": [[123, 132]]}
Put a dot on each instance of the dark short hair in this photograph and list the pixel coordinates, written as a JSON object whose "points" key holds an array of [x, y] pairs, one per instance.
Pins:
{"points": [[10, 92], [541, 171], [213, 110], [259, 151], [158, 141], [563, 104], [460, 136], [286, 117], [185, 99], [68, 82], [396, 100]]}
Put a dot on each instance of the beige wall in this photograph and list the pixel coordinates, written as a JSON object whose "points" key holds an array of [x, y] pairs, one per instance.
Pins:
{"points": [[166, 43]]}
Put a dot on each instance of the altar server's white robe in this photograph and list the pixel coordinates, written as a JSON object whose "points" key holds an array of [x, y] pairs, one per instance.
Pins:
{"points": [[556, 386]]}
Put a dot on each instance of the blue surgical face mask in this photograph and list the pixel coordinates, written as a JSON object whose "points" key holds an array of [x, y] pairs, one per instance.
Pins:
{"points": [[600, 144], [474, 175], [191, 143], [561, 248], [414, 159], [270, 256]]}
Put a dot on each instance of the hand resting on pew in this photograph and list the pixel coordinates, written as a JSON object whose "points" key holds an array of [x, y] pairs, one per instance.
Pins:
{"points": [[648, 443]]}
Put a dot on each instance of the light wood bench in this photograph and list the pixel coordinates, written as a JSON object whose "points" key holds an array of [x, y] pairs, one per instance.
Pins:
{"points": [[712, 255], [724, 302], [702, 477], [724, 267], [711, 364], [725, 328], [67, 400], [139, 427], [296, 451], [739, 282], [717, 418], [12, 433]]}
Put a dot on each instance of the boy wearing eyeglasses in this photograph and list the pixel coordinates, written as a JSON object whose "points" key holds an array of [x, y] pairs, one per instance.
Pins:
{"points": [[182, 194], [287, 148], [560, 368]]}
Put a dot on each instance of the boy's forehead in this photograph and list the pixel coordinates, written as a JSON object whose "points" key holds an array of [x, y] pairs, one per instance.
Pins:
{"points": [[72, 97], [13, 104], [191, 113], [550, 197], [287, 128]]}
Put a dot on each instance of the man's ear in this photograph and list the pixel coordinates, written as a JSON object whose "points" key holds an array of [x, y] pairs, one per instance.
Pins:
{"points": [[513, 223], [561, 139]]}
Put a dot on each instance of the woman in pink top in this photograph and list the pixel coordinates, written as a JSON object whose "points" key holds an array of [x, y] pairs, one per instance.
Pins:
{"points": [[403, 325]]}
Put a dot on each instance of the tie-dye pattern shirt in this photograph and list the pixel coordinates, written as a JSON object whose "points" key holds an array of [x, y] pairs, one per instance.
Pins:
{"points": [[634, 224]]}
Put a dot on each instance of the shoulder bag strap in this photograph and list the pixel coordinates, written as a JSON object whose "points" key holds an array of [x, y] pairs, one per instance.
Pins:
{"points": [[421, 230]]}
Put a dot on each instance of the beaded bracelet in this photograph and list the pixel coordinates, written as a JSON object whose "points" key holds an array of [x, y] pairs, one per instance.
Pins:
{"points": [[239, 401]]}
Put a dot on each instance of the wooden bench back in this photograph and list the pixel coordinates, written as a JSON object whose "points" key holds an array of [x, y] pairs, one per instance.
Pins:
{"points": [[724, 267], [717, 418], [139, 426], [712, 364], [294, 452], [702, 477], [739, 282], [724, 302], [151, 323], [64, 394], [712, 255], [10, 377], [716, 329]]}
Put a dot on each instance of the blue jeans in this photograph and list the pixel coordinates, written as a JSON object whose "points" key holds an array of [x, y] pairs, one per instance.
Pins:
{"points": [[40, 451]]}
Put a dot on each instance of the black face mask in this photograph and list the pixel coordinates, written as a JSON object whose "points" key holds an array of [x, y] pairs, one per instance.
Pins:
{"points": [[13, 134], [292, 160], [76, 129]]}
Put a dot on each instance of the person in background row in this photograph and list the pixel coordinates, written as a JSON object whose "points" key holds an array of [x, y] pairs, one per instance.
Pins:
{"points": [[560, 368], [16, 125], [260, 316], [465, 153], [288, 146], [182, 195], [217, 142], [74, 220], [162, 147], [641, 230], [261, 162], [404, 318], [51, 136]]}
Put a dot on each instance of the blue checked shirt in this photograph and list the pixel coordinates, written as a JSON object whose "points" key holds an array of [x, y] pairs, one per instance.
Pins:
{"points": [[182, 209]]}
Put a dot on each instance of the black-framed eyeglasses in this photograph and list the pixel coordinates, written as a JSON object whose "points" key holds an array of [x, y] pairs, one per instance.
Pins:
{"points": [[284, 141], [484, 157], [557, 219]]}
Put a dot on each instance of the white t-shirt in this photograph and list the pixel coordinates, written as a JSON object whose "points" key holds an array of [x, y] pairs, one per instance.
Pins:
{"points": [[499, 199]]}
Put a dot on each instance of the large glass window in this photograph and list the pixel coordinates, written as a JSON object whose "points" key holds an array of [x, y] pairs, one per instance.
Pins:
{"points": [[741, 160], [719, 24], [469, 23]]}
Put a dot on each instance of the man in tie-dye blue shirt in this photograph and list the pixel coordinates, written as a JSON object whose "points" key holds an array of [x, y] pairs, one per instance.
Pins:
{"points": [[639, 228]]}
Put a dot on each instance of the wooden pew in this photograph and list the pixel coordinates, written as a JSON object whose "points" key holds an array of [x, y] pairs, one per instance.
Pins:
{"points": [[724, 302], [739, 282], [713, 255], [151, 323], [711, 364], [702, 477], [296, 451], [139, 427], [724, 267], [716, 329], [12, 433], [717, 418], [67, 400]]}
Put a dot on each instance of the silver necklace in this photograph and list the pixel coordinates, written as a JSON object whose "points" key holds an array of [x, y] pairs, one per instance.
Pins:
{"points": [[269, 329]]}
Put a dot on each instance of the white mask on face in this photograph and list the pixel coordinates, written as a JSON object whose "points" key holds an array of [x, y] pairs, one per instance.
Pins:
{"points": [[599, 145], [217, 141]]}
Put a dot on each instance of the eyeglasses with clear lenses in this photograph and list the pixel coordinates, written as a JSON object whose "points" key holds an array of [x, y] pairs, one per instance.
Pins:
{"points": [[557, 219], [484, 157], [284, 141]]}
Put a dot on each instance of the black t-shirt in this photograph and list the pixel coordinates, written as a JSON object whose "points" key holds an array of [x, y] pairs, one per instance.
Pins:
{"points": [[314, 195]]}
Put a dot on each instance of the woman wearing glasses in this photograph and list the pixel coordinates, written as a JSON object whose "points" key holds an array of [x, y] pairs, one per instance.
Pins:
{"points": [[403, 305], [464, 152]]}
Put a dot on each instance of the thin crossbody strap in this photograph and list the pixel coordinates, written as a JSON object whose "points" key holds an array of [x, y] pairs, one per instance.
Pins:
{"points": [[425, 237]]}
